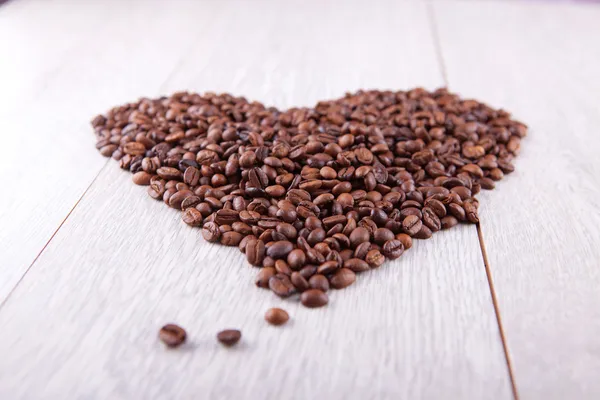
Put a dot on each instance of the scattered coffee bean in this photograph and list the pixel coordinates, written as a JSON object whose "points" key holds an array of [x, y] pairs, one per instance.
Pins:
{"points": [[172, 335], [313, 298], [276, 316], [342, 278], [315, 195], [229, 337]]}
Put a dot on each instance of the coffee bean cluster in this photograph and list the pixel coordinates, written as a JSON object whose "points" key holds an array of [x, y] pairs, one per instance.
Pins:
{"points": [[313, 196]]}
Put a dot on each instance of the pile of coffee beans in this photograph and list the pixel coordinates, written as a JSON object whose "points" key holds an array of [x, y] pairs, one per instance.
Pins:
{"points": [[313, 196]]}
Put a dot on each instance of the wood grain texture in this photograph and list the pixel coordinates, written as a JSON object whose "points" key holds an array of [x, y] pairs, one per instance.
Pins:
{"points": [[47, 164], [83, 322], [541, 225]]}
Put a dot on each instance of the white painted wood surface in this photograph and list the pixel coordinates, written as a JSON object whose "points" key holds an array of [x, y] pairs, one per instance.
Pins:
{"points": [[61, 63], [541, 227], [82, 323]]}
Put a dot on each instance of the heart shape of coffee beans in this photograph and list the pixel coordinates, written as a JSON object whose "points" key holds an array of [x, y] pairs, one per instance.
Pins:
{"points": [[313, 196]]}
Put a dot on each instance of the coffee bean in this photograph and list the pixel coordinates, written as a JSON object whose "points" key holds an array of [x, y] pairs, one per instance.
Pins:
{"points": [[313, 298], [411, 225], [319, 282], [229, 337], [231, 238], [263, 277], [255, 252], [449, 222], [358, 236], [276, 316], [281, 285], [192, 217], [211, 232], [382, 235], [280, 249], [374, 258], [405, 240], [424, 233], [172, 335], [328, 267], [393, 249], [296, 259], [356, 264], [342, 278], [142, 178], [299, 281]]}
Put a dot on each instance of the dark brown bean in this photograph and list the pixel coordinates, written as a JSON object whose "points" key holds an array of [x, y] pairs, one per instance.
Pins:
{"points": [[255, 252], [276, 316], [342, 278], [356, 264], [211, 232], [374, 258], [263, 277], [192, 217], [280, 249], [319, 282], [229, 337], [172, 335], [281, 285], [313, 298], [411, 225], [393, 249]]}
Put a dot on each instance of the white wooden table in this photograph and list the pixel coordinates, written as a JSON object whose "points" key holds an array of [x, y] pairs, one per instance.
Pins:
{"points": [[91, 267]]}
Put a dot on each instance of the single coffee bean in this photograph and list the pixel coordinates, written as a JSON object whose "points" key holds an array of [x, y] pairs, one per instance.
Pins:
{"points": [[280, 249], [313, 298], [449, 222], [342, 278], [393, 249], [281, 285], [327, 267], [411, 225], [382, 235], [358, 236], [356, 264], [192, 217], [255, 252], [296, 259], [229, 337], [264, 275], [319, 282], [374, 258], [231, 238], [276, 316], [211, 232], [424, 233], [172, 335], [405, 240], [142, 178], [299, 281]]}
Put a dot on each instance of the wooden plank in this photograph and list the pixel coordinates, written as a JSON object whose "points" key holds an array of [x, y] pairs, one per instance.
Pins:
{"points": [[541, 225], [47, 164], [122, 264]]}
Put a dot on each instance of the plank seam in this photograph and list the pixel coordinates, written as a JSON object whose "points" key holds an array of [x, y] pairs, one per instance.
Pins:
{"points": [[439, 55], [12, 290]]}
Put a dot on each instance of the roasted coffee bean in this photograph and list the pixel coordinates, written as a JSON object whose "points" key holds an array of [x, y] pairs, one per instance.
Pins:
{"points": [[313, 298], [424, 233], [327, 267], [358, 236], [393, 249], [299, 281], [449, 222], [281, 285], [344, 184], [411, 225], [142, 178], [382, 235], [172, 335], [342, 278], [319, 282], [192, 217], [255, 252], [280, 249], [405, 240], [276, 316], [296, 259], [231, 238], [211, 232], [374, 258], [282, 267], [229, 337], [263, 277]]}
